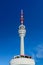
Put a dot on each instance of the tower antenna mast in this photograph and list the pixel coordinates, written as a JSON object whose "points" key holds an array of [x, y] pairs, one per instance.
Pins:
{"points": [[22, 17]]}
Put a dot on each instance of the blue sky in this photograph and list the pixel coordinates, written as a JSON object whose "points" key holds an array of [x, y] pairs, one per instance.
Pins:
{"points": [[9, 23]]}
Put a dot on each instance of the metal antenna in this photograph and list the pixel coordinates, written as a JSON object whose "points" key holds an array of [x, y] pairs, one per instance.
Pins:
{"points": [[22, 19]]}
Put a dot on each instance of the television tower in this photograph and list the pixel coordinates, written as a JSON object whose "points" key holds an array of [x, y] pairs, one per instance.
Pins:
{"points": [[22, 58], [22, 32]]}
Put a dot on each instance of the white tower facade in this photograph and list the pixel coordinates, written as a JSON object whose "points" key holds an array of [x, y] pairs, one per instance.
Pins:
{"points": [[22, 59]]}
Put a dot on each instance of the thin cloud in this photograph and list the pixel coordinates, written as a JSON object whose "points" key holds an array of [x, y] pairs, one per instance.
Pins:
{"points": [[39, 50]]}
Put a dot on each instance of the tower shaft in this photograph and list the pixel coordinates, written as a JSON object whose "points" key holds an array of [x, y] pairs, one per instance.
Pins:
{"points": [[22, 46]]}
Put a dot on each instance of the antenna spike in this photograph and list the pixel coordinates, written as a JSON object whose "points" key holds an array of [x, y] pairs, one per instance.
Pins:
{"points": [[22, 18]]}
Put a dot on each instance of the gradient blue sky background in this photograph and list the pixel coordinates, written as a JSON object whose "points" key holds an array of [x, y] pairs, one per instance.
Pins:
{"points": [[9, 23]]}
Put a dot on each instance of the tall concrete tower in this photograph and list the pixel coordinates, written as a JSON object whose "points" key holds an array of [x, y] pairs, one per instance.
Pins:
{"points": [[22, 59], [22, 32]]}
